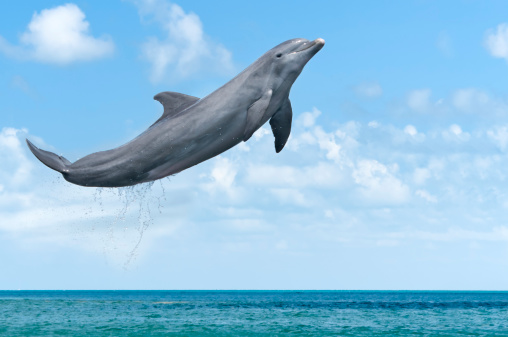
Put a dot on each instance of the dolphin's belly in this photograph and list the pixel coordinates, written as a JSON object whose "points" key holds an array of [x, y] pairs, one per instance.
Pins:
{"points": [[197, 146], [166, 148]]}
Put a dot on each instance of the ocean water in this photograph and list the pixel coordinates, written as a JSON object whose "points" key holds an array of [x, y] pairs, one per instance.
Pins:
{"points": [[253, 313]]}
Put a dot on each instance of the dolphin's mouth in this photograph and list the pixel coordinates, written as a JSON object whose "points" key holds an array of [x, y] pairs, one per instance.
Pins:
{"points": [[317, 42]]}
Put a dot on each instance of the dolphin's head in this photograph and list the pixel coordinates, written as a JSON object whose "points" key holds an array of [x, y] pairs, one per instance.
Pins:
{"points": [[288, 59]]}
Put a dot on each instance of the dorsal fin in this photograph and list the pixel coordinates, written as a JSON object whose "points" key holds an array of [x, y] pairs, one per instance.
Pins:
{"points": [[173, 103]]}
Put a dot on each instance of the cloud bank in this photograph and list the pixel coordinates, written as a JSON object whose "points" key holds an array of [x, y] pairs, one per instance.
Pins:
{"points": [[360, 184]]}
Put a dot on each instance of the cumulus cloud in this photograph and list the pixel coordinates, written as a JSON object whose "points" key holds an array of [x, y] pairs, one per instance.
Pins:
{"points": [[499, 134], [307, 119], [455, 134], [333, 143], [378, 183], [222, 177], [410, 130], [328, 143], [325, 140], [58, 35], [185, 49], [496, 41]]}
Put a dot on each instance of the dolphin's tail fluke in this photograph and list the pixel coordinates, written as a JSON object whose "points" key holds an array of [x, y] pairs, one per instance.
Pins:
{"points": [[51, 160]]}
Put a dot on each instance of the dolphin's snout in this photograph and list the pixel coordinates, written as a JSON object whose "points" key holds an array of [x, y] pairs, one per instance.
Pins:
{"points": [[314, 46]]}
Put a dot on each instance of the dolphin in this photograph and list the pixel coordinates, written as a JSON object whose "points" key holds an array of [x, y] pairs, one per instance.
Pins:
{"points": [[192, 130]]}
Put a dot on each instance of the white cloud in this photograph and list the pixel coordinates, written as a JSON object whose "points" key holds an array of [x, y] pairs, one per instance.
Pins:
{"points": [[328, 143], [455, 129], [373, 124], [322, 175], [410, 130], [499, 135], [291, 196], [16, 168], [308, 119], [222, 177], [470, 99], [185, 49], [334, 144], [455, 134], [261, 132], [243, 146], [436, 165], [426, 195], [496, 41], [378, 183], [419, 100], [420, 175], [369, 90], [341, 184], [38, 207], [484, 164], [59, 35]]}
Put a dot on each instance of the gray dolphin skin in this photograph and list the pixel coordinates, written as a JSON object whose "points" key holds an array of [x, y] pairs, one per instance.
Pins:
{"points": [[192, 130]]}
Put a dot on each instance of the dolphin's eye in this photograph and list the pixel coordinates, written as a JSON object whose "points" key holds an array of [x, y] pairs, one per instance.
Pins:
{"points": [[279, 55]]}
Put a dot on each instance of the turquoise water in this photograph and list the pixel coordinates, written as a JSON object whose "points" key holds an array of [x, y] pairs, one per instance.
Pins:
{"points": [[253, 313]]}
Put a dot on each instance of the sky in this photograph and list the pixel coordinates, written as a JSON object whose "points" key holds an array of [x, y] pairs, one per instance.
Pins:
{"points": [[395, 175]]}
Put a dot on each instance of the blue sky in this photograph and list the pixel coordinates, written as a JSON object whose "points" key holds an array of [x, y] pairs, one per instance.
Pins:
{"points": [[395, 175]]}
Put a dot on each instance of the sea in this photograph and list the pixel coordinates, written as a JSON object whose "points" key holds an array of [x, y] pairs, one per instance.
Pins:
{"points": [[253, 313]]}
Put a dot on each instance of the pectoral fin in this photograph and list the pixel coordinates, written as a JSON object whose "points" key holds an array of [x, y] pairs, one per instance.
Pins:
{"points": [[281, 125], [173, 103], [255, 114]]}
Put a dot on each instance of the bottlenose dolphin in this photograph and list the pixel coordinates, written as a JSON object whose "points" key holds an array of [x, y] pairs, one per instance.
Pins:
{"points": [[192, 130]]}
